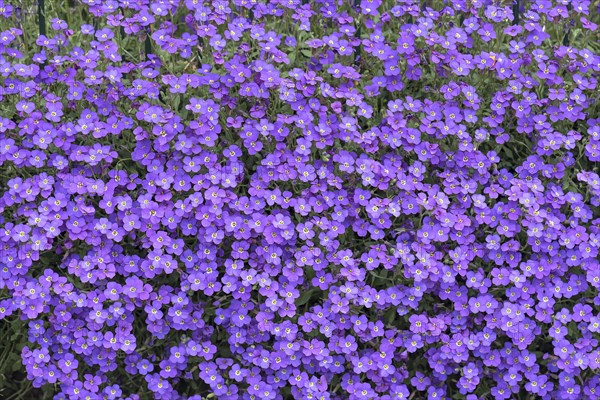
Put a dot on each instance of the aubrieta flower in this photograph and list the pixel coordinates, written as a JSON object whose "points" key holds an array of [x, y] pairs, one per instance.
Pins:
{"points": [[257, 205]]}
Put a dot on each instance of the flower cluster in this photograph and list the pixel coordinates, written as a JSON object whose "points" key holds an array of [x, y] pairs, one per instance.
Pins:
{"points": [[324, 199]]}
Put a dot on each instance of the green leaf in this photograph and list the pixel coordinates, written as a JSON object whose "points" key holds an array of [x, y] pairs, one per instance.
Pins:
{"points": [[508, 152], [306, 53], [390, 316], [305, 297]]}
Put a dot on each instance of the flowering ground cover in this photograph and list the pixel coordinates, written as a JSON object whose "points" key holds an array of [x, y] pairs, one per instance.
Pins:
{"points": [[299, 199]]}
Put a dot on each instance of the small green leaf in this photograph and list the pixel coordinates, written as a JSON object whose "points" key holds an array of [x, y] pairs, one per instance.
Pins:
{"points": [[390, 316], [305, 297], [306, 53]]}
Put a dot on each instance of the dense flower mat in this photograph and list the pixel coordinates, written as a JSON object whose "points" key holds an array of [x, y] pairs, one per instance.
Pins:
{"points": [[300, 199]]}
